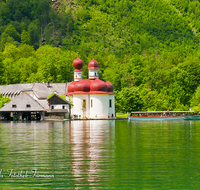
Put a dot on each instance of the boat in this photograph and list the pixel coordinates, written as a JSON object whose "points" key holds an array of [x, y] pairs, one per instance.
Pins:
{"points": [[163, 115]]}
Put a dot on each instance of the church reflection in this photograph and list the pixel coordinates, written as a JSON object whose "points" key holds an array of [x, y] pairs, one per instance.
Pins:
{"points": [[75, 150], [89, 141]]}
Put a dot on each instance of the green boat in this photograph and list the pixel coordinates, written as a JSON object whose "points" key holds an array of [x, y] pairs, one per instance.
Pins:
{"points": [[163, 115]]}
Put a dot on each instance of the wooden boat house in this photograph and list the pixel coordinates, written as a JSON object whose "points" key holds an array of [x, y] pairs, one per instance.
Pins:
{"points": [[29, 101]]}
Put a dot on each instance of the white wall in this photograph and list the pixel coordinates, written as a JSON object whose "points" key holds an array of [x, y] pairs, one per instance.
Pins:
{"points": [[93, 73], [60, 106], [78, 105], [100, 106], [112, 109], [77, 75], [99, 109]]}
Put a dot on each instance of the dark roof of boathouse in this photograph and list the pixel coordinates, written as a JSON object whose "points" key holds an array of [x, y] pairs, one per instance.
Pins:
{"points": [[55, 99], [22, 103]]}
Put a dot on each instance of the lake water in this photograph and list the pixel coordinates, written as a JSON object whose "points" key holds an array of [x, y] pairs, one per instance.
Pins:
{"points": [[105, 154]]}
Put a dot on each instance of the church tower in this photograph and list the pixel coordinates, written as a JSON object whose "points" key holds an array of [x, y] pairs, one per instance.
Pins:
{"points": [[93, 69], [92, 97], [77, 64]]}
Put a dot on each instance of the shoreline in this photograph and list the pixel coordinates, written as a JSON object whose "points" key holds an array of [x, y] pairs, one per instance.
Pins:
{"points": [[117, 118]]}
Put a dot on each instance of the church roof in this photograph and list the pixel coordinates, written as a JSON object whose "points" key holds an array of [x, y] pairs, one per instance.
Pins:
{"points": [[77, 63], [93, 85], [88, 86], [93, 64]]}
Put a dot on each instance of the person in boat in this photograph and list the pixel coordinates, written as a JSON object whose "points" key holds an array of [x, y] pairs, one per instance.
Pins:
{"points": [[164, 114]]}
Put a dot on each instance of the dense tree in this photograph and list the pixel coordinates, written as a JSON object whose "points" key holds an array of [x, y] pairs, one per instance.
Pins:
{"points": [[25, 37], [148, 50], [54, 64], [128, 99], [195, 100], [4, 100]]}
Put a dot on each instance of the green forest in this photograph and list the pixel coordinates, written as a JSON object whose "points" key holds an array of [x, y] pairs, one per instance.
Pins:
{"points": [[148, 49]]}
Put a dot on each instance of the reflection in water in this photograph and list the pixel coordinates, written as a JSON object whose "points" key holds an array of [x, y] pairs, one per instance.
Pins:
{"points": [[88, 142], [101, 154], [72, 151]]}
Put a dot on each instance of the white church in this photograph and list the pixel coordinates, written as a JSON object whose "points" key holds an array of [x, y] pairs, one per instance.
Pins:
{"points": [[92, 98]]}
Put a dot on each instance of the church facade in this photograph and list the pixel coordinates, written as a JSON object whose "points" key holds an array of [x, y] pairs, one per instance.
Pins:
{"points": [[92, 97]]}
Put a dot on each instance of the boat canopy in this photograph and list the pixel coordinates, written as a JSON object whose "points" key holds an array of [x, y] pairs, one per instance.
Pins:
{"points": [[140, 112]]}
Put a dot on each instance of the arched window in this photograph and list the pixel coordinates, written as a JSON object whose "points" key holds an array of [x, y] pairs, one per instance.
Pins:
{"points": [[110, 103], [84, 103]]}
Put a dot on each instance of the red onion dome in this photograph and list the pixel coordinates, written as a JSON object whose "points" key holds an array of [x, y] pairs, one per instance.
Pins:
{"points": [[83, 86], [77, 63], [98, 85], [110, 86], [71, 86], [93, 64]]}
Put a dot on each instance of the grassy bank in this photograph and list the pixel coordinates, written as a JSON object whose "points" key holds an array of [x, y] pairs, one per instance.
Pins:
{"points": [[121, 114]]}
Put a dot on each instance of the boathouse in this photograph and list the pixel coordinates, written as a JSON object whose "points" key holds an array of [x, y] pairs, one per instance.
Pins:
{"points": [[57, 106], [23, 107], [29, 101]]}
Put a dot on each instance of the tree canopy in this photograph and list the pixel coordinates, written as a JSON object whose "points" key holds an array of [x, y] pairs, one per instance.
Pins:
{"points": [[149, 50]]}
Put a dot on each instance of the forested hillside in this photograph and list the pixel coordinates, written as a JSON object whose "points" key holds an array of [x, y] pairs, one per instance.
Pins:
{"points": [[148, 49]]}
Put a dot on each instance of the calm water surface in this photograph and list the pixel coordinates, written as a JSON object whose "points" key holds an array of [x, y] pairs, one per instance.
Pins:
{"points": [[100, 155]]}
